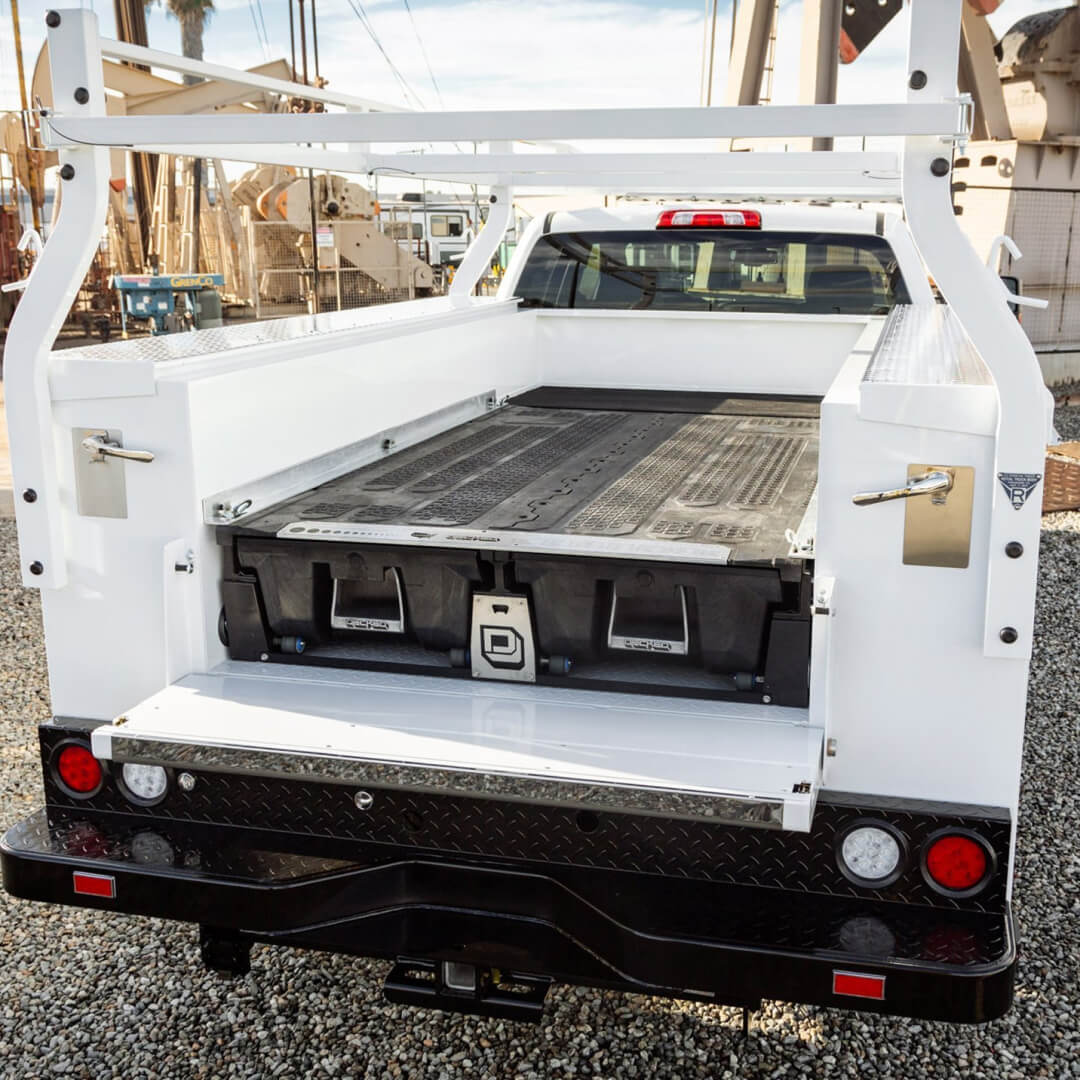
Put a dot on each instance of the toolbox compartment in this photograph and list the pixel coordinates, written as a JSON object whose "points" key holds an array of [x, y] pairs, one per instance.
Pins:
{"points": [[612, 619], [640, 543], [597, 538]]}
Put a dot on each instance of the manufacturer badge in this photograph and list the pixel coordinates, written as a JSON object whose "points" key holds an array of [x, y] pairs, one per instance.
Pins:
{"points": [[1018, 486]]}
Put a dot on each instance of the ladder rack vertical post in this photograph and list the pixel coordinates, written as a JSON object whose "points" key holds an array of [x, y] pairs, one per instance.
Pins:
{"points": [[975, 295], [79, 90]]}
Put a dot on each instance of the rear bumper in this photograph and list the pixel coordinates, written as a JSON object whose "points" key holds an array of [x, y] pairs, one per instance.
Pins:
{"points": [[637, 932]]}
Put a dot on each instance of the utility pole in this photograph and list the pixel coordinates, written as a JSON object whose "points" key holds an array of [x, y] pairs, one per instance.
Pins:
{"points": [[819, 64], [31, 173], [709, 53], [131, 27]]}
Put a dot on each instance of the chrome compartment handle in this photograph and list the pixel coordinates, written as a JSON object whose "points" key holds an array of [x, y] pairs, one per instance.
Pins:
{"points": [[101, 447], [936, 482]]}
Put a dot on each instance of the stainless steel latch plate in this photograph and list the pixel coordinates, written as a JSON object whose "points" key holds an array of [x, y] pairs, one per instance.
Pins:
{"points": [[937, 528], [100, 486]]}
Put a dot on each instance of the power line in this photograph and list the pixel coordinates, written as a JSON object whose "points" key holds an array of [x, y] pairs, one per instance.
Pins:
{"points": [[365, 21], [262, 22], [423, 53], [260, 32]]}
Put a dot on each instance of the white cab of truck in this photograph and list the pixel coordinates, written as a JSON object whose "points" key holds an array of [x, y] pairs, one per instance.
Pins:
{"points": [[660, 623]]}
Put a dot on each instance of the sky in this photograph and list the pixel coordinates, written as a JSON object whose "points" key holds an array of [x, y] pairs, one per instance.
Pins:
{"points": [[500, 53]]}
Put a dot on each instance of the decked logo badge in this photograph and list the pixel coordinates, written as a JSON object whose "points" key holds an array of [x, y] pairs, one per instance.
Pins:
{"points": [[1018, 486]]}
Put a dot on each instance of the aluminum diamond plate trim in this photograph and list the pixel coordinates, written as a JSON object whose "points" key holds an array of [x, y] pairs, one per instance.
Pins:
{"points": [[925, 346]]}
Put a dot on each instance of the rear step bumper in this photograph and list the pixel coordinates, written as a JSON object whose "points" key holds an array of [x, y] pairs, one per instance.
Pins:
{"points": [[643, 933]]}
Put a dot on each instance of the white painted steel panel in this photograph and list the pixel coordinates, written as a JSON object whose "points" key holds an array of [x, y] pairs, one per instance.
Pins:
{"points": [[916, 707], [684, 350], [582, 736]]}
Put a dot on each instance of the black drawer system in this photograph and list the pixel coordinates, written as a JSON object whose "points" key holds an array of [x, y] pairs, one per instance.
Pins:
{"points": [[616, 545]]}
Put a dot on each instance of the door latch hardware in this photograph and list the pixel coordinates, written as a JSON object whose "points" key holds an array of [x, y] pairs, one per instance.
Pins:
{"points": [[936, 483], [99, 446]]}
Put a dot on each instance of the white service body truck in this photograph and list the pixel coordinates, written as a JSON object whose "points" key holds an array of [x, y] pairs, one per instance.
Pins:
{"points": [[661, 623]]}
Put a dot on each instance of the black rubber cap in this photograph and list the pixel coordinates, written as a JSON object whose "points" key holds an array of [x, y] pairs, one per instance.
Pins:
{"points": [[917, 80], [52, 18], [1014, 549], [82, 95], [1008, 635], [36, 568], [29, 495], [940, 166], [67, 172]]}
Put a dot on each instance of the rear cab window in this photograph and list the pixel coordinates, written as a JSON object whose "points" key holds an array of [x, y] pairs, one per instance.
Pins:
{"points": [[714, 270]]}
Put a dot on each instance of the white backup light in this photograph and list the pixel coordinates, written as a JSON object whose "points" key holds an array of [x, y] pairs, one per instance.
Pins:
{"points": [[870, 854], [146, 782]]}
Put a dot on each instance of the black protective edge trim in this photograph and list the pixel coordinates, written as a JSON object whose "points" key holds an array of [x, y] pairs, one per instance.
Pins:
{"points": [[424, 916], [701, 402], [970, 834], [883, 804]]}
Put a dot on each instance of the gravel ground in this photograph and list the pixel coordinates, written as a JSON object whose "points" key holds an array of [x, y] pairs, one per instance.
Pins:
{"points": [[89, 994]]}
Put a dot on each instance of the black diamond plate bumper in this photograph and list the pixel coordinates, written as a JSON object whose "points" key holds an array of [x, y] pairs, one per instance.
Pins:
{"points": [[734, 944]]}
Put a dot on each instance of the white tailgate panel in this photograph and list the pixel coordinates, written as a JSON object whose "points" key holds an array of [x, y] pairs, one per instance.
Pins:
{"points": [[579, 737]]}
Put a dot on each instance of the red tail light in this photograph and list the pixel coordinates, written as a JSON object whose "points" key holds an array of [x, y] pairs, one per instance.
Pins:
{"points": [[709, 219], [957, 862], [78, 769]]}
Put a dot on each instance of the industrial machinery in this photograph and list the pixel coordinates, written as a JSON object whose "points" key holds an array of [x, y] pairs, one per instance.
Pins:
{"points": [[355, 262], [1022, 179], [1017, 183], [153, 297]]}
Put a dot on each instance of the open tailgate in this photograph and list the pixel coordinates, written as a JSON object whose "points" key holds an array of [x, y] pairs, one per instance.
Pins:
{"points": [[676, 757]]}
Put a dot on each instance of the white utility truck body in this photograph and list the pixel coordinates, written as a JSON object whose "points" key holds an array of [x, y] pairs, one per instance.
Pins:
{"points": [[661, 623]]}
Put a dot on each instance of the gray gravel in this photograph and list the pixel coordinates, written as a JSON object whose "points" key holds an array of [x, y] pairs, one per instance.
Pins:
{"points": [[89, 994]]}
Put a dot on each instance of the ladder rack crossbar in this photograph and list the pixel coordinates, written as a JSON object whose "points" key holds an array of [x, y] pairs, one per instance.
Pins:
{"points": [[942, 119]]}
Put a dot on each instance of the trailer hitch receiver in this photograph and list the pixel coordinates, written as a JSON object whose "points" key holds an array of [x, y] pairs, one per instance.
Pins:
{"points": [[466, 988]]}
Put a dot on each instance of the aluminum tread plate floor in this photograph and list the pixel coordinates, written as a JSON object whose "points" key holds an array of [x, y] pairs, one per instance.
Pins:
{"points": [[262, 717], [728, 485]]}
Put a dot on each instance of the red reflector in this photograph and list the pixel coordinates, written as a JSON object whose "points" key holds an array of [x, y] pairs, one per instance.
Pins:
{"points": [[709, 219], [94, 885], [956, 862], [78, 768], [851, 984]]}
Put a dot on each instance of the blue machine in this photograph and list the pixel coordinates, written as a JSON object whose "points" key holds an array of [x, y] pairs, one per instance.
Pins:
{"points": [[153, 297]]}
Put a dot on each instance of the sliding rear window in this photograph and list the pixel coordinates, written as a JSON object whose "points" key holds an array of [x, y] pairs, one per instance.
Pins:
{"points": [[714, 270]]}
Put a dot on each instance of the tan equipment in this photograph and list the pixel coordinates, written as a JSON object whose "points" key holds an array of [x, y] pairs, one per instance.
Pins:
{"points": [[1025, 182], [357, 262]]}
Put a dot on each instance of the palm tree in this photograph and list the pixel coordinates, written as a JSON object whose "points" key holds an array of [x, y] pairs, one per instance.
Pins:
{"points": [[192, 16]]}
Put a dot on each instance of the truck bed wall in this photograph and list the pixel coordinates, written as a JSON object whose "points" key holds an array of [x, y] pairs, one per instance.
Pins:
{"points": [[905, 690], [130, 624], [684, 350]]}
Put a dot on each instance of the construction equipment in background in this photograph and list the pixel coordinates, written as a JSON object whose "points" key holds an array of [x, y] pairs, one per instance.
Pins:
{"points": [[153, 298], [358, 264], [1021, 179], [1020, 175]]}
